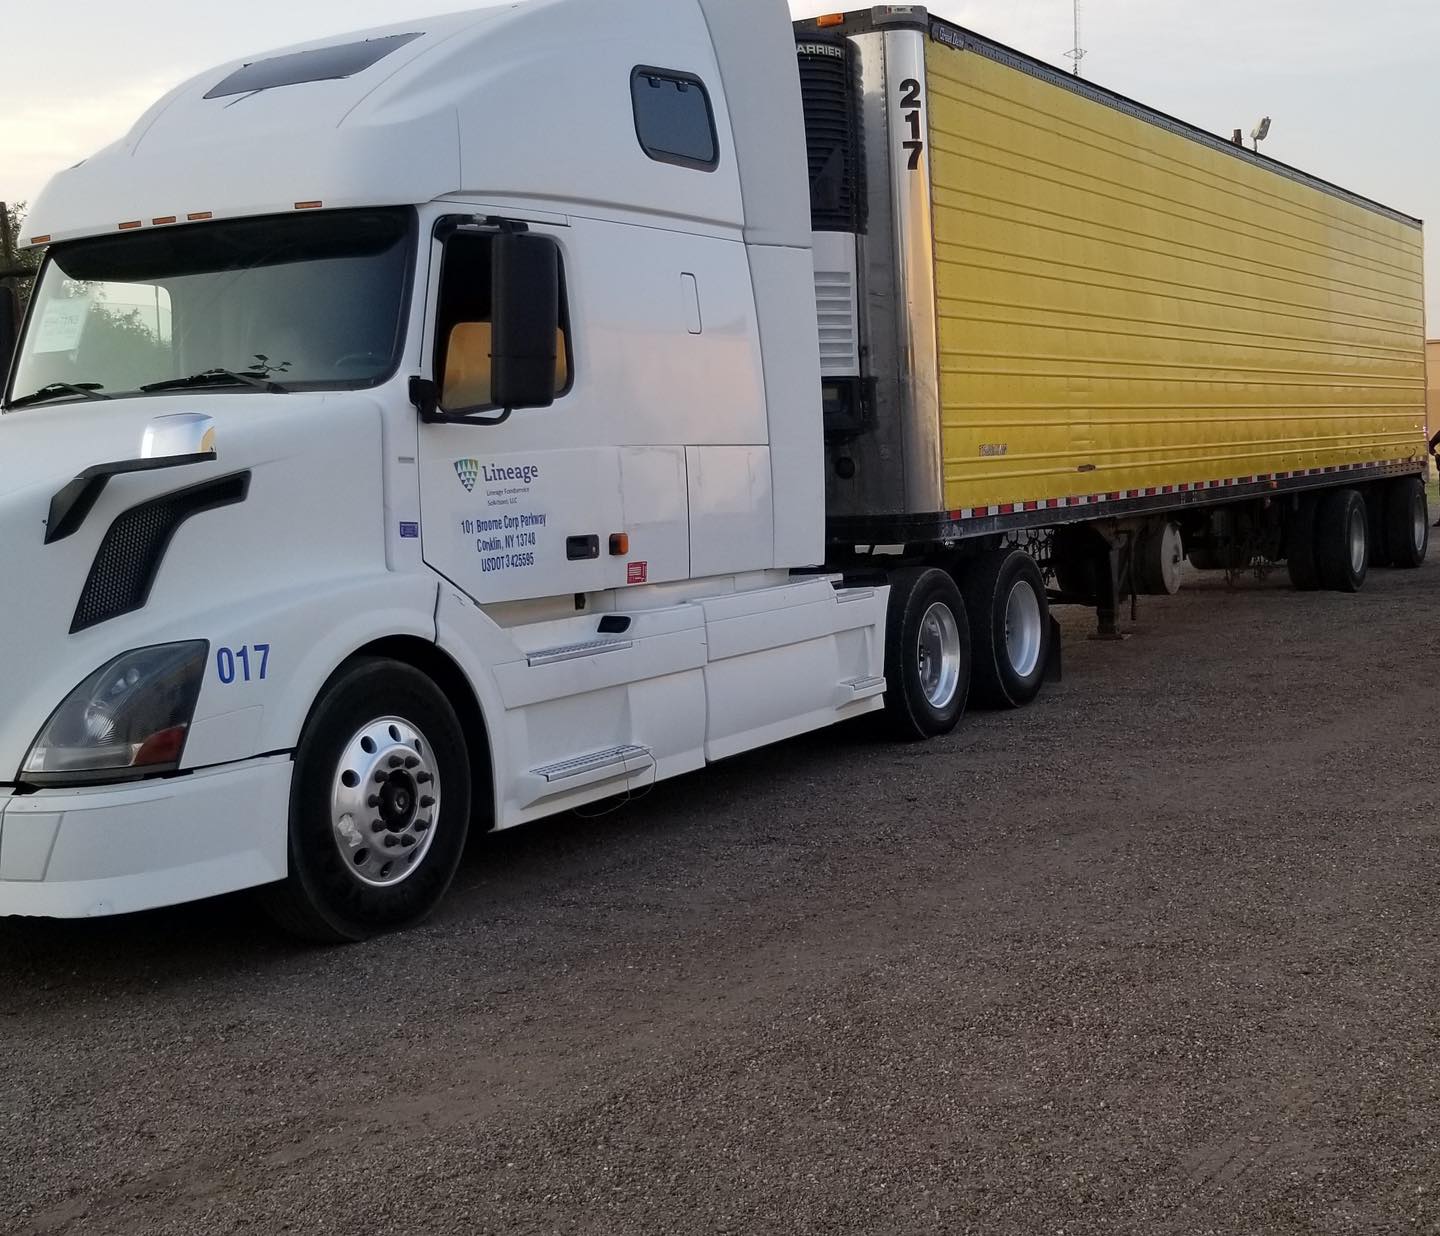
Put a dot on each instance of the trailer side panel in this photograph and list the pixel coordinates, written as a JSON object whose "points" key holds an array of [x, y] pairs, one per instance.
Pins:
{"points": [[1124, 307]]}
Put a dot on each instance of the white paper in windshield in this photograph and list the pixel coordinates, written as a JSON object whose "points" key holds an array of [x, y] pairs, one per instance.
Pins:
{"points": [[61, 325]]}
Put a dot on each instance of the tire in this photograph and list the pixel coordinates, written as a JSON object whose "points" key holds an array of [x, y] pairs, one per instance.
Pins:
{"points": [[1342, 541], [1204, 559], [380, 735], [927, 654], [1009, 626], [1300, 546], [1407, 522], [1157, 559]]}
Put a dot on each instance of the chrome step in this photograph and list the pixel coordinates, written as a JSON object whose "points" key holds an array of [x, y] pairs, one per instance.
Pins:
{"points": [[618, 759], [854, 689], [573, 652]]}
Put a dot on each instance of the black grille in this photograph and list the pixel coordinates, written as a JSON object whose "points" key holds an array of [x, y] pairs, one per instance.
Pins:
{"points": [[829, 91], [129, 557]]}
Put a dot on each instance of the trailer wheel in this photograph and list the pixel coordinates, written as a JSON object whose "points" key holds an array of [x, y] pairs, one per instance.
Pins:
{"points": [[1342, 541], [1009, 623], [1300, 546], [1407, 522], [1159, 555], [927, 654], [379, 806]]}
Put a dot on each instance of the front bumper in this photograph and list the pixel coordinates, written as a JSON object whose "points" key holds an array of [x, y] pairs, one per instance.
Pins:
{"points": [[114, 849]]}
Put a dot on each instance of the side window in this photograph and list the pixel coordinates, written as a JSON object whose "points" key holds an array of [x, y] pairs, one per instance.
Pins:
{"points": [[464, 326], [673, 118]]}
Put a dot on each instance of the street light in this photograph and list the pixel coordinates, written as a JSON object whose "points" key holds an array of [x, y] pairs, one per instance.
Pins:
{"points": [[1260, 132]]}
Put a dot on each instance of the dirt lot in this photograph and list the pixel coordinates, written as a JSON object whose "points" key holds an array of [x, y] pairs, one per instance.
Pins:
{"points": [[1155, 955]]}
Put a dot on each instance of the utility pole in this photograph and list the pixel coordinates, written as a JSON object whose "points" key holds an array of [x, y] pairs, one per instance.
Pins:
{"points": [[1076, 53]]}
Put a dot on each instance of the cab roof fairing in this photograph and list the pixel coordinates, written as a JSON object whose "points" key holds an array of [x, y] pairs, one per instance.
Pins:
{"points": [[527, 101]]}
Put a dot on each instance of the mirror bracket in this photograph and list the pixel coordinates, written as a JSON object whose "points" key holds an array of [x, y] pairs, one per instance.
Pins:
{"points": [[427, 402]]}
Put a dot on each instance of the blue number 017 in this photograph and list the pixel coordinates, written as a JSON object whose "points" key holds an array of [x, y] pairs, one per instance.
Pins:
{"points": [[232, 664]]}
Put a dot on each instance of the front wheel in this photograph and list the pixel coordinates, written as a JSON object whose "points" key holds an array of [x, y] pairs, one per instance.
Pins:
{"points": [[927, 654], [379, 806]]}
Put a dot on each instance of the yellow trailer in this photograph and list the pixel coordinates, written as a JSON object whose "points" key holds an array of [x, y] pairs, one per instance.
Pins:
{"points": [[1121, 302], [1055, 318]]}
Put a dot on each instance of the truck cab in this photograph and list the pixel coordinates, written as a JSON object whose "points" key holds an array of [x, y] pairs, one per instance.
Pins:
{"points": [[395, 442]]}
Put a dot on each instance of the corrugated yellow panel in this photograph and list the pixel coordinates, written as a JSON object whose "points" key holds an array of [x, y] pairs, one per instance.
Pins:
{"points": [[1122, 307]]}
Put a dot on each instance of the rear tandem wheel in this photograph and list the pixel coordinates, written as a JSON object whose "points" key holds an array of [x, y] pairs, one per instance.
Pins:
{"points": [[927, 654]]}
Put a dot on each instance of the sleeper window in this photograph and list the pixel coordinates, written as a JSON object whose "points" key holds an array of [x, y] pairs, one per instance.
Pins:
{"points": [[464, 321], [673, 118]]}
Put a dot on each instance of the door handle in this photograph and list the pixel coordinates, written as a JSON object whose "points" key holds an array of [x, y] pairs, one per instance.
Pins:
{"points": [[578, 548]]}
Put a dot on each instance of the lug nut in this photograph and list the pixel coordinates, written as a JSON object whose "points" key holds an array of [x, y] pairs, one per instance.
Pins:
{"points": [[374, 800], [412, 761], [407, 841], [396, 761], [381, 778], [391, 842], [427, 801], [377, 826], [423, 778]]}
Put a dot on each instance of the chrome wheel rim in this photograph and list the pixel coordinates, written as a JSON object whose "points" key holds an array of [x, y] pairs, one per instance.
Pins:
{"points": [[1357, 540], [384, 802], [939, 649], [1172, 554], [1420, 520], [1022, 628]]}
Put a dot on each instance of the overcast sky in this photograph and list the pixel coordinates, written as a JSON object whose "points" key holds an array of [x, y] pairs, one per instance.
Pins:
{"points": [[1353, 85]]}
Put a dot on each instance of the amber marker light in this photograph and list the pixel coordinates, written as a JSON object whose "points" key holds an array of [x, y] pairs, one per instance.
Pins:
{"points": [[164, 219], [40, 240], [619, 544], [830, 19], [199, 216], [130, 226], [308, 205]]}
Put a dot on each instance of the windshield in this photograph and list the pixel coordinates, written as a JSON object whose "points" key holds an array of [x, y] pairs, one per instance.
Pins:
{"points": [[289, 302]]}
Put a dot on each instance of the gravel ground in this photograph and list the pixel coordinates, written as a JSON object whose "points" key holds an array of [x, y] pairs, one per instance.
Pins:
{"points": [[1156, 955]]}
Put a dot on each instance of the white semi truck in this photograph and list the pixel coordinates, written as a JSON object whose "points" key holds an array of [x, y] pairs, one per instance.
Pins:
{"points": [[441, 427]]}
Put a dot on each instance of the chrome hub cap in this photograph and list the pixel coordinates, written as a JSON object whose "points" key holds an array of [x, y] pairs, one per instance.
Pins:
{"points": [[1357, 540], [1022, 629], [939, 648], [384, 802]]}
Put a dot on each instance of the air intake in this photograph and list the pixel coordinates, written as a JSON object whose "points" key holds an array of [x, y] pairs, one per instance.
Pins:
{"points": [[832, 133], [130, 555]]}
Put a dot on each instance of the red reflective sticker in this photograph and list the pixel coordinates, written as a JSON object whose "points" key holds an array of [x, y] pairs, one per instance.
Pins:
{"points": [[637, 572]]}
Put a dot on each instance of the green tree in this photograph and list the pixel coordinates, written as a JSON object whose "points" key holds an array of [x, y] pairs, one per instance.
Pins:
{"points": [[17, 265]]}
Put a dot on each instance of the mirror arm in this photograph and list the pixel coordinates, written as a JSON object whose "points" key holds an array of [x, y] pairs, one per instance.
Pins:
{"points": [[427, 402]]}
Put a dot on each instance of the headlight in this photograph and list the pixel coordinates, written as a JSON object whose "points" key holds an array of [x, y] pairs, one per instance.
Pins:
{"points": [[129, 718]]}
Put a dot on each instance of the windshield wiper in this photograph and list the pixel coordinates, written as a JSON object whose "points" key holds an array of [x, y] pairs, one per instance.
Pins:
{"points": [[217, 377], [53, 390]]}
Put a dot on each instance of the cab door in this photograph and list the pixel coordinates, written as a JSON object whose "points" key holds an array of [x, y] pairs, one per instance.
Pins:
{"points": [[511, 511]]}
